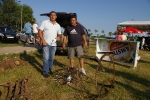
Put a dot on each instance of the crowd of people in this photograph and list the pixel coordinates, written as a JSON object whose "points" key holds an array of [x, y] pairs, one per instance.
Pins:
{"points": [[143, 44], [32, 29]]}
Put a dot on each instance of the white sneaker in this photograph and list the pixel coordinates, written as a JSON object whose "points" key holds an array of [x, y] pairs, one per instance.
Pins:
{"points": [[83, 71]]}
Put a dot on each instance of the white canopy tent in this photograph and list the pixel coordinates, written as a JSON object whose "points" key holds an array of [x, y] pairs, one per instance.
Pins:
{"points": [[141, 25]]}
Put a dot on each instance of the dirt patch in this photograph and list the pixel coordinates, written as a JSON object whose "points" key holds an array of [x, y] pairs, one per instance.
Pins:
{"points": [[7, 63]]}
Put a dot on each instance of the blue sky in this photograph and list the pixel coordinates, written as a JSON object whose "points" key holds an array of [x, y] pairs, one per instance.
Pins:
{"points": [[95, 14]]}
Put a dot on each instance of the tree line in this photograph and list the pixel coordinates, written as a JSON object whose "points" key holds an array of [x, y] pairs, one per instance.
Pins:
{"points": [[103, 33], [11, 12]]}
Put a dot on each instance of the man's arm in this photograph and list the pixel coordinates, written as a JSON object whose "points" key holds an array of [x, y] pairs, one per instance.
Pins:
{"points": [[64, 42], [84, 40], [37, 27], [59, 34], [58, 37], [42, 38]]}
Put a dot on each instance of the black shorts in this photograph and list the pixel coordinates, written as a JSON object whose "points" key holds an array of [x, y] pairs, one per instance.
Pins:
{"points": [[28, 35], [35, 35]]}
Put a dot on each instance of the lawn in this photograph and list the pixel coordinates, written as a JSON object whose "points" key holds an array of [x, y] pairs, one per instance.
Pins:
{"points": [[130, 84], [10, 44]]}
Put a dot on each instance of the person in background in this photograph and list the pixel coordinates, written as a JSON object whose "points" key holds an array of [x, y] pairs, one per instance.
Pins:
{"points": [[35, 32], [28, 32], [142, 43], [119, 36], [124, 37], [136, 38], [132, 38], [52, 33], [75, 34]]}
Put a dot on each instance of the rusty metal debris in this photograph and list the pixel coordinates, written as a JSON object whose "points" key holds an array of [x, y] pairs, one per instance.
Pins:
{"points": [[18, 90], [74, 73], [104, 88]]}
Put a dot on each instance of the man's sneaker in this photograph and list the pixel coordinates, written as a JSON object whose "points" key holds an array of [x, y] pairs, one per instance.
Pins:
{"points": [[46, 75], [83, 71]]}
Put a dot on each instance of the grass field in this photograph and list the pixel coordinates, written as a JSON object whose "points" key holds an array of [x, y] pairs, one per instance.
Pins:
{"points": [[10, 44], [130, 84]]}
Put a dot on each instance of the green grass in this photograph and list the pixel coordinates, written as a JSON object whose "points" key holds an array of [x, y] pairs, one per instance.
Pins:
{"points": [[10, 44], [130, 84]]}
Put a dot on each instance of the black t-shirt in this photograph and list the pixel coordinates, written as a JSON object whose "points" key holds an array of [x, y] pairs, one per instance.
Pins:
{"points": [[74, 34]]}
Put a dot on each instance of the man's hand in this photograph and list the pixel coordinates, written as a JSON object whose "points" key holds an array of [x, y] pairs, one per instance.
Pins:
{"points": [[58, 37], [85, 42], [85, 45], [44, 43], [41, 37], [64, 46]]}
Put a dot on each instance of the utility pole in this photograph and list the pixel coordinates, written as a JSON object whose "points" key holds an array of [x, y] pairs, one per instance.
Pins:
{"points": [[21, 14]]}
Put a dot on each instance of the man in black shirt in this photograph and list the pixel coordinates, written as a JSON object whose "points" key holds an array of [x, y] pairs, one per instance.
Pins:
{"points": [[76, 35]]}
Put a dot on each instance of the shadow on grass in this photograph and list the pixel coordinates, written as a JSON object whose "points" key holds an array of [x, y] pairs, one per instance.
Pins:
{"points": [[39, 67], [57, 63], [143, 61], [32, 60], [131, 77], [138, 94], [59, 53], [89, 96], [95, 65]]}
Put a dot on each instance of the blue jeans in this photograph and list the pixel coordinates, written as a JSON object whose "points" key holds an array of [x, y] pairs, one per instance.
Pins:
{"points": [[48, 58]]}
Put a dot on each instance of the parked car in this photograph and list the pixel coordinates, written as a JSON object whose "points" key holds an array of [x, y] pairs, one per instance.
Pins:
{"points": [[63, 19], [7, 33]]}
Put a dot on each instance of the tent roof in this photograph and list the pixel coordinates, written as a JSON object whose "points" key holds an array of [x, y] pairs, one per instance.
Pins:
{"points": [[135, 23]]}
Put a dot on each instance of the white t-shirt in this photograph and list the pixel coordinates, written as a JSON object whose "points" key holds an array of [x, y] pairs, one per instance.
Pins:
{"points": [[124, 37], [35, 26], [50, 31]]}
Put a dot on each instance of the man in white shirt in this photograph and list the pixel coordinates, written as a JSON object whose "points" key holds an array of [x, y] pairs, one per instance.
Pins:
{"points": [[52, 33], [35, 31]]}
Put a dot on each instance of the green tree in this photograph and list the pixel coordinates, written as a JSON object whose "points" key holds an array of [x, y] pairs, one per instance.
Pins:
{"points": [[103, 32], [27, 14], [10, 13], [89, 30], [95, 31], [110, 33]]}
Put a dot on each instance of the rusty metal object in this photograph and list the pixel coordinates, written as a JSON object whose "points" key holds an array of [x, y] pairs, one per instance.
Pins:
{"points": [[18, 89], [110, 80]]}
